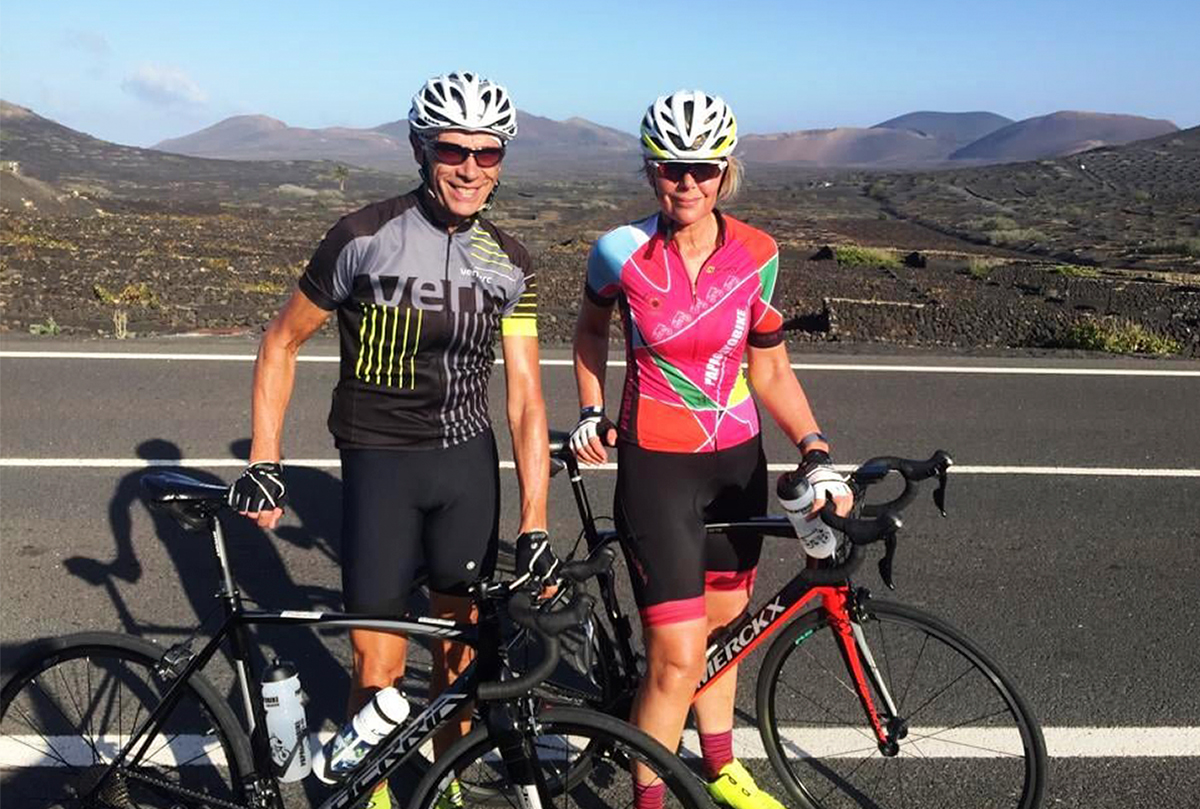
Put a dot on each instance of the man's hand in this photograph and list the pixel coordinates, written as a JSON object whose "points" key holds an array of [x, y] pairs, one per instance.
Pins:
{"points": [[260, 493], [536, 561]]}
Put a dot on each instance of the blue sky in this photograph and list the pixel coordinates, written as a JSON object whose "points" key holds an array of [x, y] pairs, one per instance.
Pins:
{"points": [[137, 72]]}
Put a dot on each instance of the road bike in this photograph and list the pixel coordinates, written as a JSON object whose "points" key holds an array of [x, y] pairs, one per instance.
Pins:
{"points": [[103, 719], [861, 702]]}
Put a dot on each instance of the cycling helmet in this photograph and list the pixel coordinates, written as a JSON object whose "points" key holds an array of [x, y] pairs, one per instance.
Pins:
{"points": [[688, 125], [463, 100]]}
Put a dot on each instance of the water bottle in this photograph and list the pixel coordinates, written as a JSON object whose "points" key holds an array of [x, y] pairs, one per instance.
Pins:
{"points": [[371, 725], [287, 727], [796, 496]]}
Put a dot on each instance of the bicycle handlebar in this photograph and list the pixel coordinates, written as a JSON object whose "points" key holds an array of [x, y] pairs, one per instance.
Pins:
{"points": [[549, 624]]}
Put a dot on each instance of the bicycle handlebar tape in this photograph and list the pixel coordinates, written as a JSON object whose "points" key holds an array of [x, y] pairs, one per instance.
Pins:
{"points": [[548, 626], [599, 562]]}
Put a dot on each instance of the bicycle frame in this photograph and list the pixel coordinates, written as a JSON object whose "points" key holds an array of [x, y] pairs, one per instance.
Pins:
{"points": [[742, 637], [385, 757]]}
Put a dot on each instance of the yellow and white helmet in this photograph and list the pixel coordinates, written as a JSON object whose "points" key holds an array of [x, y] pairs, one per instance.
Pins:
{"points": [[688, 125], [463, 100]]}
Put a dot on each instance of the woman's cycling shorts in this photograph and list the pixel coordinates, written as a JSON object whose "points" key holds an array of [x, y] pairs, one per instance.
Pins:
{"points": [[663, 500], [402, 510]]}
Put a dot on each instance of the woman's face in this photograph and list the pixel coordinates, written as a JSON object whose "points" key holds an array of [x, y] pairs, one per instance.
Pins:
{"points": [[687, 192]]}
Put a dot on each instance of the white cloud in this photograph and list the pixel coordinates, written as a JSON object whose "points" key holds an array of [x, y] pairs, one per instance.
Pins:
{"points": [[163, 86]]}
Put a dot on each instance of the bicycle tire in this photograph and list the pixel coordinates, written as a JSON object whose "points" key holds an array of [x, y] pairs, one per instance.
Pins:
{"points": [[71, 703], [971, 740], [609, 744]]}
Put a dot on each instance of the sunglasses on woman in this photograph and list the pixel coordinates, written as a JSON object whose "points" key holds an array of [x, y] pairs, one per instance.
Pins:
{"points": [[674, 171], [451, 154]]}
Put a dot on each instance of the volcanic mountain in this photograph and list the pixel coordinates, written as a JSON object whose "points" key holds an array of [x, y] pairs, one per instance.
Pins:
{"points": [[1061, 133]]}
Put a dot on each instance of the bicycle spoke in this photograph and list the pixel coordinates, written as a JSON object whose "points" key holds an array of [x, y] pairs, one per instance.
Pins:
{"points": [[912, 675], [938, 694]]}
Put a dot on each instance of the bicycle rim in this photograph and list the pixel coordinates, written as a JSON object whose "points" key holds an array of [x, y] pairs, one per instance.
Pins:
{"points": [[66, 715], [965, 737], [585, 760]]}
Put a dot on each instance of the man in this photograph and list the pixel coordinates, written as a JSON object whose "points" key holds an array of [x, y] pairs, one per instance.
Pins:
{"points": [[422, 284]]}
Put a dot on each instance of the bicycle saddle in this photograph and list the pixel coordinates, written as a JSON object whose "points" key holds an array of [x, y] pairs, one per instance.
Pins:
{"points": [[188, 501]]}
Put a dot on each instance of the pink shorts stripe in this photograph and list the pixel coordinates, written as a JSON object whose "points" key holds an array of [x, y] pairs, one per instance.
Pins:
{"points": [[674, 612], [726, 580]]}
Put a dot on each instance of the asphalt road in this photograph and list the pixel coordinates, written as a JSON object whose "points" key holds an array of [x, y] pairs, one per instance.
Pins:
{"points": [[1081, 585]]}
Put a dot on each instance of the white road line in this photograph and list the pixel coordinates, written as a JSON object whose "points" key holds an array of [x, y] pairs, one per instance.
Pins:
{"points": [[799, 366], [334, 463], [30, 750]]}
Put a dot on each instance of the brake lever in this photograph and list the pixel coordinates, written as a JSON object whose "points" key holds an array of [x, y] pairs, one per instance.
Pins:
{"points": [[885, 564], [943, 469]]}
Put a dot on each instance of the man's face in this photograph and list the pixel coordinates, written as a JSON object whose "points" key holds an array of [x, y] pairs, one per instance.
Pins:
{"points": [[461, 190]]}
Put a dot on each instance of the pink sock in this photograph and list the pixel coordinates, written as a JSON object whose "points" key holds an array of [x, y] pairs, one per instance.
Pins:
{"points": [[717, 750], [649, 796]]}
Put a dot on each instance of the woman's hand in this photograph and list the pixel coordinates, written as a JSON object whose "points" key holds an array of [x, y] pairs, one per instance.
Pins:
{"points": [[591, 435]]}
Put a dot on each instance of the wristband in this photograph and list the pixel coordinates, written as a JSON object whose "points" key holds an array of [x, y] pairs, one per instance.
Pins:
{"points": [[812, 438]]}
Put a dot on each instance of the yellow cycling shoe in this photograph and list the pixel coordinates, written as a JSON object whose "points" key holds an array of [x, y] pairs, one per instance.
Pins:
{"points": [[734, 787], [380, 799], [451, 797]]}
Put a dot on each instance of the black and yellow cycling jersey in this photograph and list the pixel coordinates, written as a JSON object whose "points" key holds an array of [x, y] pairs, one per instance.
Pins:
{"points": [[419, 310]]}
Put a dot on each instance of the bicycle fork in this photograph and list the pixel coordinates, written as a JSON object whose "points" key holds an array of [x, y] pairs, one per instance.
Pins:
{"points": [[514, 732], [889, 728]]}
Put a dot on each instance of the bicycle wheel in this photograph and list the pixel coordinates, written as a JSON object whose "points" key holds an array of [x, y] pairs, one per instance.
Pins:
{"points": [[71, 705], [565, 738], [971, 740]]}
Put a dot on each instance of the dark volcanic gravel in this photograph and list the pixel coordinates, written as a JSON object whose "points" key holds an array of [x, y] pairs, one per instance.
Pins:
{"points": [[139, 270]]}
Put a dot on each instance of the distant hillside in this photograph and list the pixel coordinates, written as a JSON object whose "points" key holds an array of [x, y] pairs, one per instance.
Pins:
{"points": [[844, 146], [542, 144], [956, 129], [1131, 205], [71, 161], [1061, 133]]}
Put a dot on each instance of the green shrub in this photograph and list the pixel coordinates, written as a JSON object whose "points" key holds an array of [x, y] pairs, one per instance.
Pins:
{"points": [[1117, 337], [1185, 247], [1075, 271], [46, 329], [999, 223], [1014, 237], [981, 266], [851, 255], [139, 294]]}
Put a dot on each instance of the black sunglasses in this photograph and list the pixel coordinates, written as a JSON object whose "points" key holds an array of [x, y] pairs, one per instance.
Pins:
{"points": [[674, 171], [451, 154]]}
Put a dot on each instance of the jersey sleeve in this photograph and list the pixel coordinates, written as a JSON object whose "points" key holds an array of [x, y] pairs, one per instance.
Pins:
{"points": [[328, 278], [519, 317], [766, 329], [603, 282]]}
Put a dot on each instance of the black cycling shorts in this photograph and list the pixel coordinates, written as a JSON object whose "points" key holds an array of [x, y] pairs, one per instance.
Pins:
{"points": [[405, 509], [663, 500]]}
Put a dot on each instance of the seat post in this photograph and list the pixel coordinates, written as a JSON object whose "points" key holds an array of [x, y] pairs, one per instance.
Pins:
{"points": [[218, 538]]}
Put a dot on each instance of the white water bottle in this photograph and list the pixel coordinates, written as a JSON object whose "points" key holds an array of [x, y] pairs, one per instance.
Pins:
{"points": [[287, 726], [371, 725], [796, 496]]}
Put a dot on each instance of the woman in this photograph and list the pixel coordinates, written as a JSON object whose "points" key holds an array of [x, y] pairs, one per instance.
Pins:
{"points": [[694, 287], [422, 286]]}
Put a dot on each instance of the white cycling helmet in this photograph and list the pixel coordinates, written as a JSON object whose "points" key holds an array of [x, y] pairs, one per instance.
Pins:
{"points": [[463, 100], [688, 125]]}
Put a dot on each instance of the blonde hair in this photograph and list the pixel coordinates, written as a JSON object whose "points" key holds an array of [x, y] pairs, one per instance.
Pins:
{"points": [[731, 180]]}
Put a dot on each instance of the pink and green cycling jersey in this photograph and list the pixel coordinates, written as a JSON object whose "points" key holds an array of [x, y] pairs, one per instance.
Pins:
{"points": [[685, 390]]}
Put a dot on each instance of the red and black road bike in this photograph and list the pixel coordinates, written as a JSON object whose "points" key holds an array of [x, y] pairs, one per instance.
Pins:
{"points": [[861, 702]]}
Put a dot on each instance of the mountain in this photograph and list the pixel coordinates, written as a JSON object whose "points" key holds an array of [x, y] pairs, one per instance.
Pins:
{"points": [[1061, 133], [955, 128], [844, 146], [69, 163], [541, 144]]}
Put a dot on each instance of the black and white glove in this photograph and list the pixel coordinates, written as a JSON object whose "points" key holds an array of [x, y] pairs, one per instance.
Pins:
{"points": [[827, 482], [592, 424], [536, 561], [260, 488]]}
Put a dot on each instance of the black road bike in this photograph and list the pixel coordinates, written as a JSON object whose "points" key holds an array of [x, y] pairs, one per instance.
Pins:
{"points": [[109, 720], [861, 702]]}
